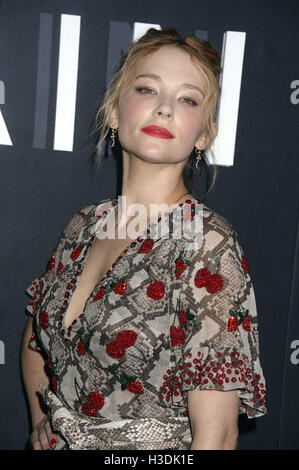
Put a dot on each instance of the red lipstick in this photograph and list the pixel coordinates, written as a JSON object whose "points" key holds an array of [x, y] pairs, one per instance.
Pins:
{"points": [[157, 131]]}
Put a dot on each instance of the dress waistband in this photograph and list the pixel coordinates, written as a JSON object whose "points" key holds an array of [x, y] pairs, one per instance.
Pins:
{"points": [[89, 433]]}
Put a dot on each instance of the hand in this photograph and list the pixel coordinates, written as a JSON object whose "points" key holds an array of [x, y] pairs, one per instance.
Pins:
{"points": [[42, 437]]}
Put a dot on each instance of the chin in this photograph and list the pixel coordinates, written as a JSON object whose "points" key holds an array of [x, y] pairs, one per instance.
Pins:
{"points": [[149, 155]]}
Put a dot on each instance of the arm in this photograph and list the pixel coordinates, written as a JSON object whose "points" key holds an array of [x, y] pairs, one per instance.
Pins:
{"points": [[33, 374], [214, 419]]}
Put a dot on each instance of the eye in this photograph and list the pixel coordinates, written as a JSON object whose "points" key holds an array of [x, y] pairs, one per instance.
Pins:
{"points": [[145, 90], [189, 101]]}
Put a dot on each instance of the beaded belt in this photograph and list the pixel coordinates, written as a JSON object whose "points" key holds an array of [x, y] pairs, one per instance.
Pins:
{"points": [[80, 433]]}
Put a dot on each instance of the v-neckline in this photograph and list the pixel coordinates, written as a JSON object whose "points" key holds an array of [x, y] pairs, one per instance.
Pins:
{"points": [[132, 244]]}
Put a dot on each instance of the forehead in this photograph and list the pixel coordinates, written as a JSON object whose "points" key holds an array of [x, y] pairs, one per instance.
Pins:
{"points": [[169, 62]]}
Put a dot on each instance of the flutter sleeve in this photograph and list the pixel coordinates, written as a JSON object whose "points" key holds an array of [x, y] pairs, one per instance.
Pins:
{"points": [[215, 336], [40, 285]]}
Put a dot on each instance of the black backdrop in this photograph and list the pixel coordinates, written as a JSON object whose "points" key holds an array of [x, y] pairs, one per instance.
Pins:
{"points": [[40, 188]]}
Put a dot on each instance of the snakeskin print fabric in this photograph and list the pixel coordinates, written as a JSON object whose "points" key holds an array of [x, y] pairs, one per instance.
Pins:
{"points": [[170, 316]]}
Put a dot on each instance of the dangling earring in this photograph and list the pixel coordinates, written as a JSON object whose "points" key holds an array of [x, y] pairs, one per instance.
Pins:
{"points": [[199, 155], [112, 140]]}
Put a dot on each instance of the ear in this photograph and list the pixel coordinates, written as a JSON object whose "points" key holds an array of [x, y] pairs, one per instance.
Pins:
{"points": [[204, 142], [113, 117]]}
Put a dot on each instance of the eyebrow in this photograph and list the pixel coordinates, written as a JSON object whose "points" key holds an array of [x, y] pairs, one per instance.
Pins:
{"points": [[156, 77]]}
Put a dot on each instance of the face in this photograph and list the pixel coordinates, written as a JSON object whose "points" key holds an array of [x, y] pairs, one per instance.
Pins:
{"points": [[167, 91]]}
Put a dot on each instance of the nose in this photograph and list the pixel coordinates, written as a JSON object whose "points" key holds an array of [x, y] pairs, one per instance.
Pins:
{"points": [[164, 109]]}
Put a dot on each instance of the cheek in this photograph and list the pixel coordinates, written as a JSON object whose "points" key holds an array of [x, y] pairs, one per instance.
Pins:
{"points": [[191, 126], [130, 112]]}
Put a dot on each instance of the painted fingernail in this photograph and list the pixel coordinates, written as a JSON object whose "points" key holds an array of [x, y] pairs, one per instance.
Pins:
{"points": [[53, 442]]}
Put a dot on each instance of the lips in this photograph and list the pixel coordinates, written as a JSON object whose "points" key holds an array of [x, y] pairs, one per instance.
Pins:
{"points": [[157, 131]]}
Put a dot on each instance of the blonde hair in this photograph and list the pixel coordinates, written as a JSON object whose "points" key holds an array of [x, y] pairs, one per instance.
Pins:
{"points": [[203, 56]]}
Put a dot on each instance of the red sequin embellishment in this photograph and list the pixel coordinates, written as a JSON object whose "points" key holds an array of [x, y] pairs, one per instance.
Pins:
{"points": [[54, 384], [239, 317], [135, 387], [246, 323], [245, 264], [201, 277], [115, 351], [125, 338], [181, 264], [44, 320], [51, 262], [212, 282], [59, 267], [76, 252], [146, 246], [177, 335], [95, 402], [232, 324], [183, 316], [96, 399], [156, 290], [120, 287], [100, 294], [81, 348], [218, 371]]}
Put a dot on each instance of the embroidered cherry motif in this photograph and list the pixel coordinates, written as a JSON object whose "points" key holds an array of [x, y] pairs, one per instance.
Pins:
{"points": [[115, 351], [83, 344], [156, 289], [245, 264], [53, 381], [100, 293], [81, 348], [246, 323], [146, 246], [135, 386], [95, 401], [130, 383], [239, 317], [177, 335], [181, 264], [76, 252], [120, 287], [201, 277], [183, 317], [54, 384], [232, 324], [212, 282], [59, 267], [51, 262], [126, 338], [44, 320]]}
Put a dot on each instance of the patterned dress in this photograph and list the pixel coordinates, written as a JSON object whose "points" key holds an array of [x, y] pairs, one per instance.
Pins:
{"points": [[169, 316]]}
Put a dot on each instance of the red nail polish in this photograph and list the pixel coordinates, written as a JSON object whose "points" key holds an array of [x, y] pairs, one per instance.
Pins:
{"points": [[53, 442]]}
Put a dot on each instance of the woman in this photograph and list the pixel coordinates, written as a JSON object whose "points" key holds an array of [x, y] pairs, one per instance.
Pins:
{"points": [[150, 341]]}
